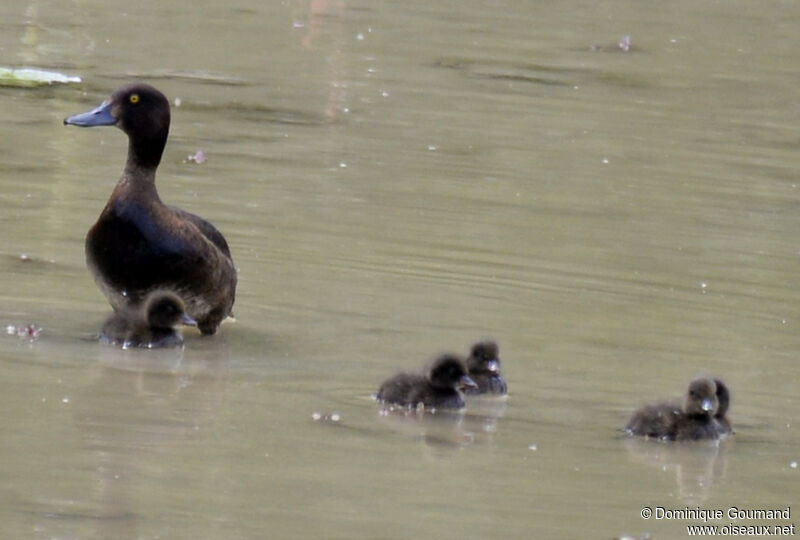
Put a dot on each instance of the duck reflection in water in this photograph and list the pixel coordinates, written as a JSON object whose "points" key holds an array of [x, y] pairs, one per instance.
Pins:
{"points": [[697, 467], [143, 417]]}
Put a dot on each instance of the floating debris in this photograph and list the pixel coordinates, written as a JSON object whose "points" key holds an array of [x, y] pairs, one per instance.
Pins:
{"points": [[198, 157], [30, 332], [793, 464], [532, 447], [326, 418], [30, 77], [623, 45]]}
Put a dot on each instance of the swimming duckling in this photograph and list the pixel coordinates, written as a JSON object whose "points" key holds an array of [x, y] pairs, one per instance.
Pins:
{"points": [[139, 244], [437, 389], [483, 365], [702, 415], [151, 327]]}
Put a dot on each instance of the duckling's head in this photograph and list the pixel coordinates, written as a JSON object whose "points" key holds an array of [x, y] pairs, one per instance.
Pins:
{"points": [[701, 398], [139, 110], [165, 310], [484, 358], [449, 371]]}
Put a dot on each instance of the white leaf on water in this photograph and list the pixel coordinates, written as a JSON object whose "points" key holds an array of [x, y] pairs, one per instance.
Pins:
{"points": [[33, 77]]}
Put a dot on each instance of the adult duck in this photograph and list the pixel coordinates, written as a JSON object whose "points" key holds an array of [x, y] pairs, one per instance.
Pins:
{"points": [[139, 244]]}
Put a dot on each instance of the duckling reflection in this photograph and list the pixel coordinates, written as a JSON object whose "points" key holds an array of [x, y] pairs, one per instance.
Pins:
{"points": [[697, 467], [142, 415], [439, 388], [440, 434], [153, 326], [702, 415], [138, 243], [483, 365]]}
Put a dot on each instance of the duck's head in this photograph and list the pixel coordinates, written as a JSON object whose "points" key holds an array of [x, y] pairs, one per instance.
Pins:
{"points": [[484, 358], [165, 310], [449, 371], [701, 398], [139, 110]]}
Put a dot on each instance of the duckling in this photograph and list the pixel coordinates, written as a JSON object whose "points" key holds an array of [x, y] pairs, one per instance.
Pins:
{"points": [[138, 243], [151, 327], [483, 365], [702, 415], [437, 389]]}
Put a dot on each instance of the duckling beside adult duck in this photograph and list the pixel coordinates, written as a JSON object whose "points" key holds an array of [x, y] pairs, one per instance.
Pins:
{"points": [[702, 415], [138, 243], [152, 327], [438, 388], [483, 365]]}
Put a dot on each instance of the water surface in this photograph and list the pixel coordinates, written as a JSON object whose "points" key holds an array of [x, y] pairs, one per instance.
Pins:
{"points": [[396, 180]]}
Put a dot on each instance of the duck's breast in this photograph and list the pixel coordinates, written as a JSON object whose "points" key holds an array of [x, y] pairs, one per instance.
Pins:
{"points": [[131, 248]]}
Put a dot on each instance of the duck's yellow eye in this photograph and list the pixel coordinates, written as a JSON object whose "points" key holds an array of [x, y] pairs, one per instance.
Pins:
{"points": [[134, 98]]}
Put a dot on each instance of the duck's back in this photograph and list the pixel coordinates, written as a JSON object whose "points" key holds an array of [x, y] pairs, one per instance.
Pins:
{"points": [[658, 421], [116, 329], [207, 229], [398, 389]]}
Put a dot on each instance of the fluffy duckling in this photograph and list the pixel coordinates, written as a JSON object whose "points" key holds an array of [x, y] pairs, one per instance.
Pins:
{"points": [[483, 366], [437, 389], [140, 244], [151, 327], [702, 415]]}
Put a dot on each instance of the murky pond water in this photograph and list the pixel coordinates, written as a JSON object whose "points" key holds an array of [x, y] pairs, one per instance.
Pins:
{"points": [[396, 180]]}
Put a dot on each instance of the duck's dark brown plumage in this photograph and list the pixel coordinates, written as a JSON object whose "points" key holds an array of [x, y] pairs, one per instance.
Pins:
{"points": [[701, 416], [438, 388], [138, 243], [483, 365], [152, 326]]}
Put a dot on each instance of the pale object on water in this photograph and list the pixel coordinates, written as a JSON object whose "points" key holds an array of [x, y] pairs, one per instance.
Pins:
{"points": [[27, 77]]}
